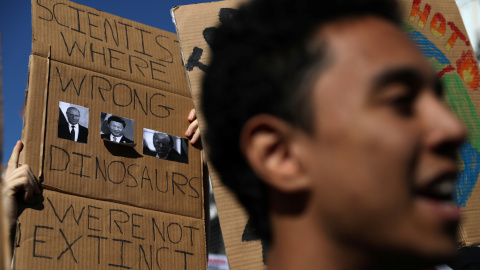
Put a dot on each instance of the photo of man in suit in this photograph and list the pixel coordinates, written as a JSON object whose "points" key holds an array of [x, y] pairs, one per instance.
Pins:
{"points": [[116, 125], [71, 129], [164, 149]]}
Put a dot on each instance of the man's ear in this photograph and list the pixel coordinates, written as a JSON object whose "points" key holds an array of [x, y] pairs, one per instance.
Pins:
{"points": [[270, 147]]}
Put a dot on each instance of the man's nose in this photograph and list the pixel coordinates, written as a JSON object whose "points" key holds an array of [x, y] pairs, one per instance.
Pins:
{"points": [[444, 129]]}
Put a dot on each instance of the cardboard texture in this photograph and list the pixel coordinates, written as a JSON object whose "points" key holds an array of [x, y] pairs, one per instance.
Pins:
{"points": [[61, 231], [435, 26], [191, 22], [85, 37], [100, 75]]}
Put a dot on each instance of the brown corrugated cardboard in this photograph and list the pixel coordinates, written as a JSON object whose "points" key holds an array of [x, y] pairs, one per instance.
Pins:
{"points": [[62, 231], [122, 186], [101, 169], [85, 37], [438, 30], [191, 21]]}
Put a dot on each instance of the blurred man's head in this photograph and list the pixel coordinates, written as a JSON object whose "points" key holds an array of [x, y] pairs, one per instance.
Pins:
{"points": [[326, 111], [162, 143], [116, 125], [73, 115]]}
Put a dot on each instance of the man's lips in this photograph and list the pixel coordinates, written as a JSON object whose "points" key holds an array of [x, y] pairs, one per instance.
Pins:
{"points": [[438, 195]]}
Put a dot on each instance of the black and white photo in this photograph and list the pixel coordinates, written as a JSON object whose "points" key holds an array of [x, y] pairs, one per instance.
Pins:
{"points": [[73, 122], [116, 128], [165, 146]]}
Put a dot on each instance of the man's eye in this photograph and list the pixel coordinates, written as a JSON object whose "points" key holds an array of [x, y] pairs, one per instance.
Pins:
{"points": [[403, 104]]}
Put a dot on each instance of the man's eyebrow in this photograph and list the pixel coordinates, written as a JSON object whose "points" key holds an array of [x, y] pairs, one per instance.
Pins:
{"points": [[410, 77]]}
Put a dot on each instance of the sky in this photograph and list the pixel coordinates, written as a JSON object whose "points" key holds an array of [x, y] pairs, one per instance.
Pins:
{"points": [[16, 46]]}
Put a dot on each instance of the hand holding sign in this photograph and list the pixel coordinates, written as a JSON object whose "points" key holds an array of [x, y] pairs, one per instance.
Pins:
{"points": [[19, 180], [193, 132]]}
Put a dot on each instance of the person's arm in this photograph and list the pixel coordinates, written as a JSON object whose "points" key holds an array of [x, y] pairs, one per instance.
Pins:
{"points": [[18, 183]]}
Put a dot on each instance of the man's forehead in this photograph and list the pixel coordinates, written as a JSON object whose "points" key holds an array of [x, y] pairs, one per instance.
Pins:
{"points": [[115, 123], [363, 48], [73, 111]]}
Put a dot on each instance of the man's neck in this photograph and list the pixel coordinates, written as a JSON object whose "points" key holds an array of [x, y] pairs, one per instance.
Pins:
{"points": [[300, 242]]}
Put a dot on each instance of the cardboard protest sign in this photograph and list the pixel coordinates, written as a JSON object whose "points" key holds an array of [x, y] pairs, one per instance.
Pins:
{"points": [[194, 23], [438, 30], [435, 26], [70, 231], [105, 117]]}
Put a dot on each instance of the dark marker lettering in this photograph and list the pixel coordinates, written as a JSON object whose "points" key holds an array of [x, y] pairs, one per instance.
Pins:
{"points": [[145, 176], [116, 221], [111, 51], [152, 69], [55, 16], [166, 181], [126, 32], [170, 58], [135, 225], [111, 31], [142, 251], [94, 25], [177, 184], [71, 81], [130, 57], [75, 44], [99, 247], [77, 220], [93, 52], [69, 246], [35, 241], [170, 236], [166, 109], [110, 174], [143, 42], [127, 93], [78, 20], [91, 216], [156, 256], [133, 177], [98, 168], [135, 98], [121, 254], [185, 257], [191, 233], [190, 184], [65, 158], [81, 165], [154, 226], [95, 80], [49, 11]]}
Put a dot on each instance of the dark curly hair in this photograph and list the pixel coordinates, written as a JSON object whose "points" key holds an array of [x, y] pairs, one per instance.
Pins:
{"points": [[259, 65]]}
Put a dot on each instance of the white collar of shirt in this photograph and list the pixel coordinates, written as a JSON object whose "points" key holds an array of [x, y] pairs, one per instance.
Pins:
{"points": [[113, 138], [76, 130]]}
